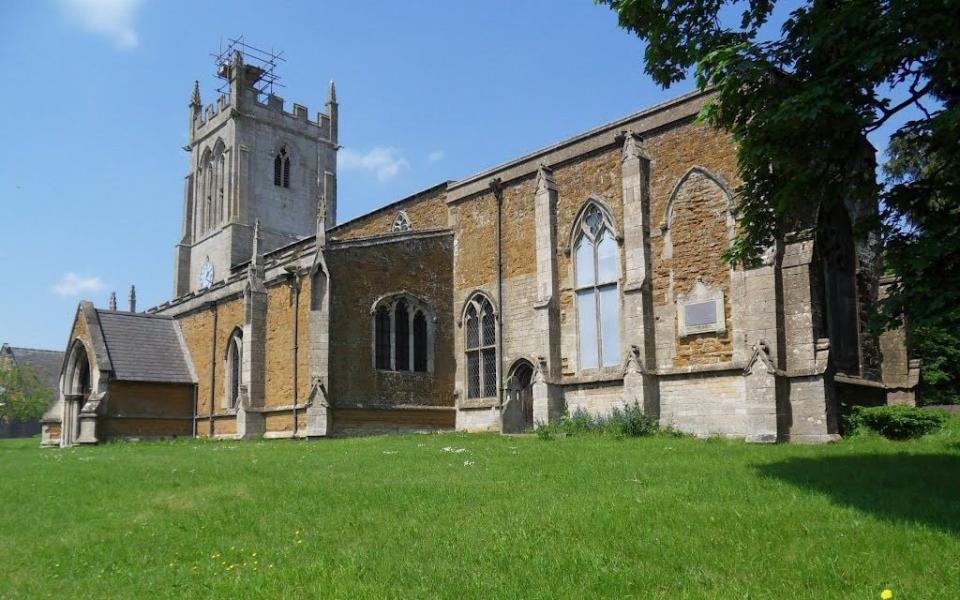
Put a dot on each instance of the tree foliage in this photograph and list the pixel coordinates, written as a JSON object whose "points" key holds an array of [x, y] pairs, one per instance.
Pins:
{"points": [[800, 104], [22, 395]]}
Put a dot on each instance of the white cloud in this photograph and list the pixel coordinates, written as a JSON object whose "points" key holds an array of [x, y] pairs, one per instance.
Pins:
{"points": [[385, 162], [72, 284], [112, 18], [435, 156]]}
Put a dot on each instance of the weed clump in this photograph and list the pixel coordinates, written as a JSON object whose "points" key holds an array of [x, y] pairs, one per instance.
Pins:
{"points": [[629, 421]]}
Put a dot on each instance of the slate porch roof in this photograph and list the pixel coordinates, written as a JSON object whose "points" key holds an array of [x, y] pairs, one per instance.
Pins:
{"points": [[46, 363], [145, 347]]}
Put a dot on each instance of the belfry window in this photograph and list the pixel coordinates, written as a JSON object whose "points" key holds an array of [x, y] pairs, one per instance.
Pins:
{"points": [[281, 169], [403, 328], [481, 348], [205, 183], [597, 266]]}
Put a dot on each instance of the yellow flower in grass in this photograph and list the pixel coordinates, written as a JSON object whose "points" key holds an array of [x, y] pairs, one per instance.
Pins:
{"points": [[886, 595]]}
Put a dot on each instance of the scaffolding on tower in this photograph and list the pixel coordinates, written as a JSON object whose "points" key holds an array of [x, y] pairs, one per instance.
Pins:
{"points": [[266, 61]]}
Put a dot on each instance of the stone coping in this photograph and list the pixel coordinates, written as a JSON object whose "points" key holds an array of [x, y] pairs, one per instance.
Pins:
{"points": [[604, 376], [278, 408], [852, 380], [701, 369], [220, 415], [477, 403]]}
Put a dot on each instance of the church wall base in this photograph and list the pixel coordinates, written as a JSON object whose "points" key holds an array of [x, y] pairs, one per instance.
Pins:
{"points": [[705, 404], [478, 419], [594, 399], [374, 421]]}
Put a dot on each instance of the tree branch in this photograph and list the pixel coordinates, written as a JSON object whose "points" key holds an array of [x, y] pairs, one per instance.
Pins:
{"points": [[889, 112]]}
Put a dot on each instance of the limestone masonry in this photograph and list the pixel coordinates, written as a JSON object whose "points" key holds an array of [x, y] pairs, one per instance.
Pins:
{"points": [[583, 276]]}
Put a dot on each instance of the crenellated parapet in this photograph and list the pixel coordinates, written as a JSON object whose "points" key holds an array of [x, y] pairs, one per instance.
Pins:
{"points": [[245, 98], [273, 109]]}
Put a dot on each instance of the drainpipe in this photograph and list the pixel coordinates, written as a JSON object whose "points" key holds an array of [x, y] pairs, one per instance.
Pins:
{"points": [[497, 187], [194, 429], [295, 286], [213, 366]]}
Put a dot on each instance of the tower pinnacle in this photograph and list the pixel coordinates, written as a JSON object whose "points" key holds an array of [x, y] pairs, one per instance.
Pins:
{"points": [[256, 258], [195, 97]]}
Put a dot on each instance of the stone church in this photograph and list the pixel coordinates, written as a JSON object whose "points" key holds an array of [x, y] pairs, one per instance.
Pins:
{"points": [[584, 275]]}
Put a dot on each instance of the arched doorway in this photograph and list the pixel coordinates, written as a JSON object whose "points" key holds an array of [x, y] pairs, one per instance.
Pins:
{"points": [[839, 315], [518, 412], [77, 387]]}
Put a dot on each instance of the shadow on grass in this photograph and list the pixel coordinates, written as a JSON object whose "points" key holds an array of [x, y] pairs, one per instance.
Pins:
{"points": [[905, 487]]}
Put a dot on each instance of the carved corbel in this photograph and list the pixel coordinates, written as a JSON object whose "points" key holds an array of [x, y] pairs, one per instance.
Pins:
{"points": [[633, 364]]}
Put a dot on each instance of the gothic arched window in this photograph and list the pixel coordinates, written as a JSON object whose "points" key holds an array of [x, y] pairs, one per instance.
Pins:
{"points": [[281, 169], [403, 328], [481, 348], [234, 368], [596, 272]]}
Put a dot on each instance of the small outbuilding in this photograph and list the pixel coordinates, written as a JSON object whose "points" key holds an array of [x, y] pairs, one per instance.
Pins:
{"points": [[124, 375]]}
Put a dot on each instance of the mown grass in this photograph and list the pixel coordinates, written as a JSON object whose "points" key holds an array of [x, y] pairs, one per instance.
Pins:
{"points": [[581, 516]]}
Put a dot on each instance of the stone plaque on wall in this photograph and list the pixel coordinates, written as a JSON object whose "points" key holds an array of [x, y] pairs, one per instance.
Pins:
{"points": [[701, 310]]}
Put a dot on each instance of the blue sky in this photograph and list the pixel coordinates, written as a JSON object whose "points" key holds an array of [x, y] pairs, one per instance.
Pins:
{"points": [[95, 113]]}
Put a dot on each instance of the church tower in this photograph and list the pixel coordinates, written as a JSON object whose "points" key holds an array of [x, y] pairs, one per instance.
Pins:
{"points": [[251, 160]]}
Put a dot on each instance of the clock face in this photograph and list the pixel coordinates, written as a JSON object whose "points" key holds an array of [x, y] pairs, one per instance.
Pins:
{"points": [[206, 275]]}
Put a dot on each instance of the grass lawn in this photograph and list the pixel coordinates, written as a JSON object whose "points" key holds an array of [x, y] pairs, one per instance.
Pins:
{"points": [[505, 517]]}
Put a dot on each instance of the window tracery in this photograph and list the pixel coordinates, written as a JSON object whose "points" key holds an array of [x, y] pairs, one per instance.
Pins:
{"points": [[402, 334], [401, 222], [596, 275], [481, 348]]}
